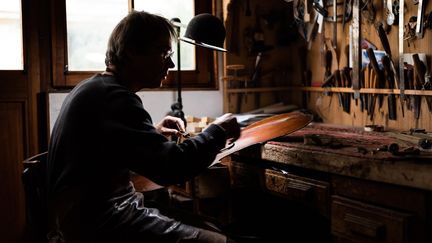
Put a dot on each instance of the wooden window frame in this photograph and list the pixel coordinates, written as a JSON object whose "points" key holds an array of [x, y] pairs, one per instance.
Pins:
{"points": [[204, 77], [16, 80]]}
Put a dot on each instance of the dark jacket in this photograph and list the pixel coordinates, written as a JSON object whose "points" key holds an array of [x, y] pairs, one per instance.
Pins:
{"points": [[101, 134]]}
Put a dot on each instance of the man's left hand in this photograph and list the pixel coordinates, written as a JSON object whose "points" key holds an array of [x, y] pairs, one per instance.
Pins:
{"points": [[170, 126]]}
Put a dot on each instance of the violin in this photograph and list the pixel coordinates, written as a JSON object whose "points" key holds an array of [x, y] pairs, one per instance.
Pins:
{"points": [[265, 130]]}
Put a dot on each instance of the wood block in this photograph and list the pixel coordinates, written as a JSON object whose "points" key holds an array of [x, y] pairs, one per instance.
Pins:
{"points": [[207, 120], [202, 124], [190, 119]]}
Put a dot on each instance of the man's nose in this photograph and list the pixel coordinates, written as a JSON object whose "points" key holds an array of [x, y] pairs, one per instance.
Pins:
{"points": [[170, 63]]}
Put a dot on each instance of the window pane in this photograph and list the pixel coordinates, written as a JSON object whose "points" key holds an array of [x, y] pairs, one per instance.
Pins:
{"points": [[182, 9], [89, 24], [11, 42]]}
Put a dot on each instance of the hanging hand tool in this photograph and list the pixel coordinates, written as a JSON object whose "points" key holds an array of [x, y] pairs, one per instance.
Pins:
{"points": [[428, 86], [392, 15], [369, 85], [409, 84], [356, 51], [334, 24], [420, 69], [346, 78], [310, 32], [329, 78], [420, 13], [366, 85], [306, 14], [368, 10], [419, 80], [338, 83], [372, 96], [414, 104], [401, 58], [378, 76], [427, 24], [386, 45], [320, 22], [347, 12], [391, 99], [328, 64], [319, 8], [362, 85]]}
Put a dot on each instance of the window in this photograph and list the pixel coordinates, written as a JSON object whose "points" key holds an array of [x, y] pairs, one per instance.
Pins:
{"points": [[81, 30], [88, 30], [11, 41]]}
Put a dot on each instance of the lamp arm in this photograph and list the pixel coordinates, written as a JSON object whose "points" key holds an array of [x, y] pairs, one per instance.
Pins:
{"points": [[177, 108], [179, 84]]}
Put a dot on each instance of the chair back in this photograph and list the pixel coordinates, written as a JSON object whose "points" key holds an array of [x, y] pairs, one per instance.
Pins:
{"points": [[33, 178]]}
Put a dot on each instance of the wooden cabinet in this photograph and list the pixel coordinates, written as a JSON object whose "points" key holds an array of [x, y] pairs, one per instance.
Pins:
{"points": [[313, 193], [368, 211], [363, 222], [356, 210]]}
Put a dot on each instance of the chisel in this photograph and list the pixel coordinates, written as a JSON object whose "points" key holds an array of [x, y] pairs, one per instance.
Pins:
{"points": [[428, 86], [378, 76], [338, 83], [385, 43], [346, 73], [391, 99], [420, 78]]}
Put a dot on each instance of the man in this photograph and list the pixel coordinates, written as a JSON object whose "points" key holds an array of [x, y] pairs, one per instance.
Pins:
{"points": [[103, 132]]}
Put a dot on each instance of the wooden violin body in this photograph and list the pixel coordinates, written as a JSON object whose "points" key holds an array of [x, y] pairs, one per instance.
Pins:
{"points": [[266, 129]]}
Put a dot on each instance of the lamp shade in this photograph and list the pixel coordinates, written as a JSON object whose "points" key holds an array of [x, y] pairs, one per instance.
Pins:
{"points": [[207, 31]]}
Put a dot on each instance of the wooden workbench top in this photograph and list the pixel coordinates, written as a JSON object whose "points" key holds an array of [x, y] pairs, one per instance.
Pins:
{"points": [[353, 152]]}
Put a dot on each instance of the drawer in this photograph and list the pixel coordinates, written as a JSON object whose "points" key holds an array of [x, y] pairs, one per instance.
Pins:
{"points": [[211, 183], [361, 222], [311, 192]]}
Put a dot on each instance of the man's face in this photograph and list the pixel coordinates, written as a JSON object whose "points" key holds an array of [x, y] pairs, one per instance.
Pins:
{"points": [[149, 69]]}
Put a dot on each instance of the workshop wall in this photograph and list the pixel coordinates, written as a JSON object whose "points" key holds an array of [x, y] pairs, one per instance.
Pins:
{"points": [[265, 27], [298, 60]]}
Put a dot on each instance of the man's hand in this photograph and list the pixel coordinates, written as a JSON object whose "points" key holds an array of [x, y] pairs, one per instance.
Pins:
{"points": [[170, 125], [228, 122]]}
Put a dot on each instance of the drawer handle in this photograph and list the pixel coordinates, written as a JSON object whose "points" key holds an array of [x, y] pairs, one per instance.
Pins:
{"points": [[299, 186], [364, 226], [300, 189]]}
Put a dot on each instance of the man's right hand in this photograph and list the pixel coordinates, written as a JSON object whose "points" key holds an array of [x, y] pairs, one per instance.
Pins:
{"points": [[229, 123]]}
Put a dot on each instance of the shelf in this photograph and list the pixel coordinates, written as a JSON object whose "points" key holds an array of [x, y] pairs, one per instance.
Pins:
{"points": [[365, 91], [330, 89], [256, 90]]}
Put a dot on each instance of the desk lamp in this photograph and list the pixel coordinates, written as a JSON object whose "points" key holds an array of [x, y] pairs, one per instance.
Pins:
{"points": [[204, 30]]}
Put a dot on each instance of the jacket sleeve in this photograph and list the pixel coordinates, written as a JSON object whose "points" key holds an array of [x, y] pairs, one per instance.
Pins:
{"points": [[131, 138]]}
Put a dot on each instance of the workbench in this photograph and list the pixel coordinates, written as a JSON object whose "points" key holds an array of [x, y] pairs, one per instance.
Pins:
{"points": [[355, 188], [355, 153]]}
